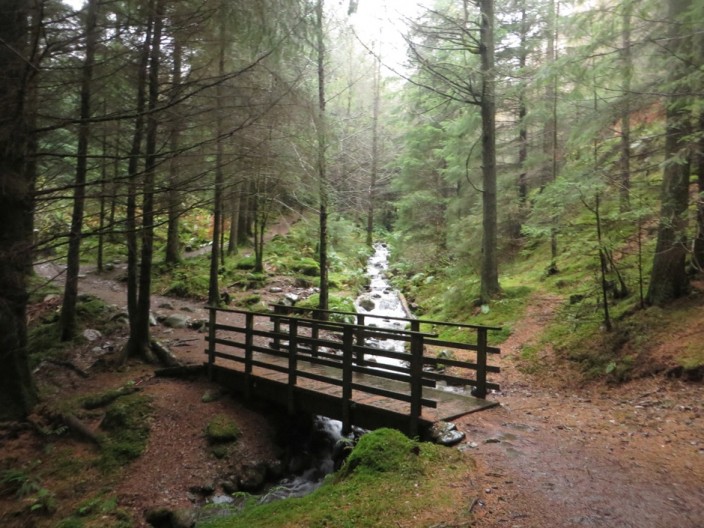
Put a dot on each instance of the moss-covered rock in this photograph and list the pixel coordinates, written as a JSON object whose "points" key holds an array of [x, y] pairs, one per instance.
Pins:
{"points": [[221, 429], [381, 451]]}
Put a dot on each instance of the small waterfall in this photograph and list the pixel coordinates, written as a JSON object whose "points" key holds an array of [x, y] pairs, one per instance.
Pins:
{"points": [[326, 446]]}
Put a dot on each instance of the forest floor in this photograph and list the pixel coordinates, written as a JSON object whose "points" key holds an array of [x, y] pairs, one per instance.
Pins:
{"points": [[556, 453]]}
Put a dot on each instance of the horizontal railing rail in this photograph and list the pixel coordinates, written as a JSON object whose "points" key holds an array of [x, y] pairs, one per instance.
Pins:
{"points": [[332, 352]]}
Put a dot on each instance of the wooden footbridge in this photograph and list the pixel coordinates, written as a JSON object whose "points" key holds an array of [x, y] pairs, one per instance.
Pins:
{"points": [[338, 370]]}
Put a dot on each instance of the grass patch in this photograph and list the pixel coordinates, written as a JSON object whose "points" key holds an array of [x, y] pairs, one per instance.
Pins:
{"points": [[387, 478]]}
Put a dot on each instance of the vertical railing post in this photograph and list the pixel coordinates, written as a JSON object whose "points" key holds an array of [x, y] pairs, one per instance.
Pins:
{"points": [[480, 389], [248, 353], [360, 339], [347, 350], [314, 334], [211, 342], [278, 310], [416, 382], [292, 363]]}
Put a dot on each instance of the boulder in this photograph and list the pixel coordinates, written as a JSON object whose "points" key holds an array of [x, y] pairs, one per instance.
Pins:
{"points": [[366, 303], [167, 518], [252, 477], [176, 321], [91, 335], [446, 433], [290, 299]]}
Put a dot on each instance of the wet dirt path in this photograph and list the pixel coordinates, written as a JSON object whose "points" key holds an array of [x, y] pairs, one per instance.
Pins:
{"points": [[627, 457]]}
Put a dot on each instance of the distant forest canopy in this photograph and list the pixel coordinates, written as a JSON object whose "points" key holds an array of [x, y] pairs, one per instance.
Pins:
{"points": [[518, 125]]}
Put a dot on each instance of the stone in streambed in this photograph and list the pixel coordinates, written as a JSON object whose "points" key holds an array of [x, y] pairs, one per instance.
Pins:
{"points": [[367, 304], [446, 433]]}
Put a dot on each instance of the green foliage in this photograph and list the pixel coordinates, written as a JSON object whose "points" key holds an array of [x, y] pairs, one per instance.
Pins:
{"points": [[189, 279], [249, 300], [98, 510], [246, 263], [19, 481], [44, 335], [23, 483], [306, 266], [335, 302], [221, 429]]}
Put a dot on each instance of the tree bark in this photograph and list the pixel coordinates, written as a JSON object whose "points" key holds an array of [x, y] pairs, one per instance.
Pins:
{"points": [[139, 344], [214, 289], [489, 269], [68, 308], [522, 114], [17, 392], [234, 219], [375, 152], [322, 169], [698, 250], [627, 65], [132, 171], [173, 244], [668, 279]]}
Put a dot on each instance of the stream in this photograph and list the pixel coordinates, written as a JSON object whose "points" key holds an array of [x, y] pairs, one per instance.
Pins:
{"points": [[383, 302]]}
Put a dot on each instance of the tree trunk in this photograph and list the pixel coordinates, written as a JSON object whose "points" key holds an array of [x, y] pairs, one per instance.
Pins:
{"points": [[489, 269], [68, 308], [522, 113], [100, 264], [668, 279], [375, 152], [214, 289], [17, 392], [627, 65], [550, 129], [132, 171], [603, 266], [698, 249], [139, 344], [242, 229], [234, 219], [322, 174], [173, 244]]}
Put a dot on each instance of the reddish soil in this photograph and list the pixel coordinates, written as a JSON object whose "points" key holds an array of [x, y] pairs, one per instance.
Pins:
{"points": [[554, 454]]}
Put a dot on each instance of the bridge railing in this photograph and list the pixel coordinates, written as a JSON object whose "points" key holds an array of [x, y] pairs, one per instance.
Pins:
{"points": [[445, 369], [288, 347]]}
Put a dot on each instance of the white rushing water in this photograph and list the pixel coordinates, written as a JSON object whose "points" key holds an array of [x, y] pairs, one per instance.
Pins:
{"points": [[383, 301]]}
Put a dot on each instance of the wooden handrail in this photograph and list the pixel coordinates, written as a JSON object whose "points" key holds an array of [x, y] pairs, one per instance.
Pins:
{"points": [[287, 342], [389, 317]]}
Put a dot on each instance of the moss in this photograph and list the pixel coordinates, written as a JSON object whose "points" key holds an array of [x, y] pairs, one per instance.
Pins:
{"points": [[306, 266], [221, 429], [337, 303], [90, 307], [127, 425], [384, 450], [246, 263], [249, 300]]}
